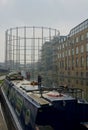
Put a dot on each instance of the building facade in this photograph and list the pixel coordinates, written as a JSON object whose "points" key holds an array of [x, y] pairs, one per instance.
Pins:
{"points": [[72, 58]]}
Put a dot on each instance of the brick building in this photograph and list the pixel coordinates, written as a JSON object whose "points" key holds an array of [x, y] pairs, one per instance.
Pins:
{"points": [[72, 58]]}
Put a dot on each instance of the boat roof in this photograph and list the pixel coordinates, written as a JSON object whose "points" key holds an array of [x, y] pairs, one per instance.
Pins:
{"points": [[33, 92]]}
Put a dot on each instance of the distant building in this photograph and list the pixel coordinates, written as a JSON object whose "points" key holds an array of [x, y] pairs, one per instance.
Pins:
{"points": [[3, 68]]}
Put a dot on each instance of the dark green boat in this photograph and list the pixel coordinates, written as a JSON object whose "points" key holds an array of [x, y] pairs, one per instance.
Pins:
{"points": [[27, 108]]}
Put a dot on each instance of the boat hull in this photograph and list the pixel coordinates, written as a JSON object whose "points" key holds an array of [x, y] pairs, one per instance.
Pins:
{"points": [[11, 120]]}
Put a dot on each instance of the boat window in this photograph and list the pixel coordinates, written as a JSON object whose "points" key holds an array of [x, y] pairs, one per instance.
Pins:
{"points": [[11, 93], [12, 96], [6, 88], [29, 113], [19, 103], [47, 127], [26, 113], [27, 116]]}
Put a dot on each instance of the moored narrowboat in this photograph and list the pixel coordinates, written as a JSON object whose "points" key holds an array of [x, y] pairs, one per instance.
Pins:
{"points": [[26, 108]]}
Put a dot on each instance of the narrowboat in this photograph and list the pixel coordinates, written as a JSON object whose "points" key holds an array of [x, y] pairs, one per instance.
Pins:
{"points": [[27, 107]]}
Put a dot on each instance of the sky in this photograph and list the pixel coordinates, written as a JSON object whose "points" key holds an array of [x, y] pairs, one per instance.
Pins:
{"points": [[62, 15]]}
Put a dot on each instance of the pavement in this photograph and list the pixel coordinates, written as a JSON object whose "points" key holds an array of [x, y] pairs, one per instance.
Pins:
{"points": [[2, 77], [3, 125]]}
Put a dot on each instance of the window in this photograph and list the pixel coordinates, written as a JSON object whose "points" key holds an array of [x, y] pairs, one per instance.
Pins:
{"points": [[76, 73], [69, 63], [73, 62], [66, 44], [60, 64], [87, 47], [82, 48], [63, 45], [69, 80], [27, 116], [86, 83], [63, 54], [73, 41], [77, 51], [87, 35], [86, 61], [82, 61], [86, 74], [77, 39], [81, 74], [64, 38], [58, 56], [60, 47], [72, 51], [69, 52], [77, 81], [19, 102], [65, 63], [81, 82], [82, 37], [68, 73], [76, 62], [12, 96], [61, 40], [6, 88]]}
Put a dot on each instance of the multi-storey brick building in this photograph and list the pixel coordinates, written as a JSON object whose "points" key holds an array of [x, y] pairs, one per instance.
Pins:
{"points": [[72, 61]]}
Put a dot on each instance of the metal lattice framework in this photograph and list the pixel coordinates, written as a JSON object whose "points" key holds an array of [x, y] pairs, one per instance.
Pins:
{"points": [[24, 47]]}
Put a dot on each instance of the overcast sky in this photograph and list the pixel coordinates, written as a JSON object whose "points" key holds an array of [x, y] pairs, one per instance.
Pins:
{"points": [[59, 14]]}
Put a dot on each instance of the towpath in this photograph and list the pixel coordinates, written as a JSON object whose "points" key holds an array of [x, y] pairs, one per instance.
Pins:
{"points": [[3, 125]]}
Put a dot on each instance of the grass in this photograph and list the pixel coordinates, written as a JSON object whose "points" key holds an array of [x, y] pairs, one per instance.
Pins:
{"points": [[1, 81]]}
